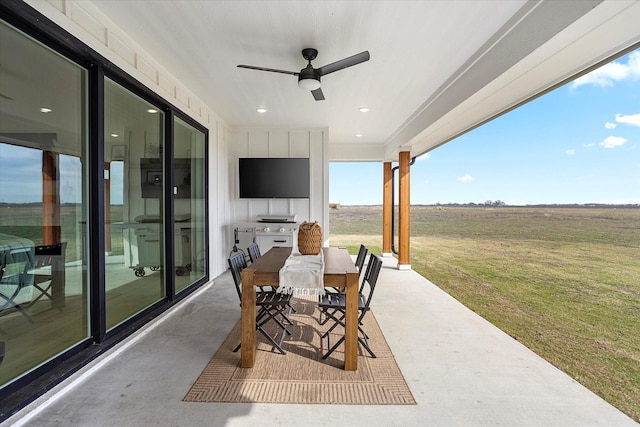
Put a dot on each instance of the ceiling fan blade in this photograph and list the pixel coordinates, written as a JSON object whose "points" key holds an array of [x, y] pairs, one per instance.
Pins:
{"points": [[344, 63], [273, 70], [317, 94]]}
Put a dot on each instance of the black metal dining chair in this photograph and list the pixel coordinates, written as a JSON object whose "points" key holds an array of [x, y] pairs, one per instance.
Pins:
{"points": [[359, 262], [271, 305], [362, 255], [333, 306], [254, 252]]}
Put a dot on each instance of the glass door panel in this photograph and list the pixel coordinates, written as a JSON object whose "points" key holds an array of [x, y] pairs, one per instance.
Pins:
{"points": [[43, 208], [189, 204], [134, 183]]}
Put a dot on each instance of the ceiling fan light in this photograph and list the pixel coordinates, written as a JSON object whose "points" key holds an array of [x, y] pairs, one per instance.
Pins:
{"points": [[309, 84]]}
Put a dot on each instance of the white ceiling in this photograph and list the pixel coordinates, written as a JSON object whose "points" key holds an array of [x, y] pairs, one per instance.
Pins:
{"points": [[437, 68]]}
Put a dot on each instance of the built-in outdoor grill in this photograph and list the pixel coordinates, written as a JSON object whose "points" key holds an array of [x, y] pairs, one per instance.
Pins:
{"points": [[275, 230]]}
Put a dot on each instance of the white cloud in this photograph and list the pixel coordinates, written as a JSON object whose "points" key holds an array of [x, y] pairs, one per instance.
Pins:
{"points": [[571, 152], [613, 142], [466, 178], [633, 119], [591, 144], [610, 125], [612, 72]]}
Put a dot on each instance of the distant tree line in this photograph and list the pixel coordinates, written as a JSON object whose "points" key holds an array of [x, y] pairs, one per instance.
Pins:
{"points": [[557, 205], [487, 203], [495, 203]]}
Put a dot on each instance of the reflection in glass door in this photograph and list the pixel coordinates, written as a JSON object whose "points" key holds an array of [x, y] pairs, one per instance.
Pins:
{"points": [[134, 182], [189, 206], [43, 209]]}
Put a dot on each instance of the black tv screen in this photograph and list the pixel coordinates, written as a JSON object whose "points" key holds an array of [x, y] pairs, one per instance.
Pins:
{"points": [[281, 178]]}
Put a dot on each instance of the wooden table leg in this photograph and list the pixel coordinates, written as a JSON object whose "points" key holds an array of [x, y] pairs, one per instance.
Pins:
{"points": [[351, 324], [248, 336]]}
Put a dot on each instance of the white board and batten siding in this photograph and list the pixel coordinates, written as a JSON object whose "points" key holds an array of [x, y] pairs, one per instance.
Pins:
{"points": [[278, 142]]}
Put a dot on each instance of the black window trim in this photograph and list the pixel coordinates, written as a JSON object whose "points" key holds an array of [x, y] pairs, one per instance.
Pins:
{"points": [[29, 387]]}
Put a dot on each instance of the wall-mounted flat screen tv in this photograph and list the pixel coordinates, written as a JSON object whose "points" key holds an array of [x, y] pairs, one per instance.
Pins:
{"points": [[280, 178]]}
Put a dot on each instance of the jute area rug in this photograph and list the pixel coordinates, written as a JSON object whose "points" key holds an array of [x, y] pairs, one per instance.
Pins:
{"points": [[301, 375]]}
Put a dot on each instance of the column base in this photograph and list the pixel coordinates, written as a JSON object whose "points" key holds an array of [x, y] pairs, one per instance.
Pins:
{"points": [[404, 266]]}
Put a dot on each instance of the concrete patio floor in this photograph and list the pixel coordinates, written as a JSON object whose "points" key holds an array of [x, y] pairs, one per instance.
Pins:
{"points": [[461, 369]]}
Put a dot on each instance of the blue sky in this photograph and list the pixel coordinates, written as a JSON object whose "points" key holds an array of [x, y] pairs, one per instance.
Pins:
{"points": [[577, 144]]}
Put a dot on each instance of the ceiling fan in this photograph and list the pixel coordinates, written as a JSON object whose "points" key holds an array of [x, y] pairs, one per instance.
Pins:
{"points": [[309, 77]]}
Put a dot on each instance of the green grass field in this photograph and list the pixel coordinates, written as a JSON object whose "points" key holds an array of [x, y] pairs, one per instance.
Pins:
{"points": [[564, 281], [25, 220]]}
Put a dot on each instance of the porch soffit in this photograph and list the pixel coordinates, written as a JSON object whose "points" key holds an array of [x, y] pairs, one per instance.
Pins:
{"points": [[437, 68]]}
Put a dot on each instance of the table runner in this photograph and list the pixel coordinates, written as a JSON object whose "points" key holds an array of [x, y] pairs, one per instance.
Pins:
{"points": [[302, 275]]}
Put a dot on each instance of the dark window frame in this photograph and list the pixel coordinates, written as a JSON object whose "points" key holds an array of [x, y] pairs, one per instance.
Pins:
{"points": [[35, 383]]}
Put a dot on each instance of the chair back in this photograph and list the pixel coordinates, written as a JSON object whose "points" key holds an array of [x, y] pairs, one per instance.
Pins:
{"points": [[237, 263], [254, 252], [371, 278], [367, 273], [16, 263], [362, 255], [46, 255]]}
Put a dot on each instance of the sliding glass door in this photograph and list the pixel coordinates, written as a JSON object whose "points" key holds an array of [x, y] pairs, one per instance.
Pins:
{"points": [[84, 159], [43, 210], [134, 189], [189, 206]]}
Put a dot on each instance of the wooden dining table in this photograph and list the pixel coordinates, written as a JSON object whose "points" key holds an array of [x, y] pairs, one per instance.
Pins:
{"points": [[339, 271]]}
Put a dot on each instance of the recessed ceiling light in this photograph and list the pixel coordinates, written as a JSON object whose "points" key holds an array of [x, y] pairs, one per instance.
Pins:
{"points": [[152, 111], [115, 135], [261, 110], [363, 109], [45, 110], [358, 135]]}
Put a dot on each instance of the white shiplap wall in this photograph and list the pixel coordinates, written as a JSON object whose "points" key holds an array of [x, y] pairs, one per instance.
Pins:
{"points": [[279, 142]]}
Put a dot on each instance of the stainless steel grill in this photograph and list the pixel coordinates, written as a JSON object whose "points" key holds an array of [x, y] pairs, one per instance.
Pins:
{"points": [[275, 230]]}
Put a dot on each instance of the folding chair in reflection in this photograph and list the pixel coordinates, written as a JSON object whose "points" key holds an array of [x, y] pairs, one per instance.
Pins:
{"points": [[16, 279], [49, 271], [271, 306]]}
